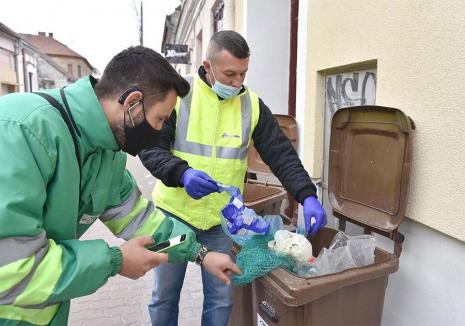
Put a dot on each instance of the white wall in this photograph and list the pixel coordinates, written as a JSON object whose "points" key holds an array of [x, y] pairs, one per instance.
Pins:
{"points": [[301, 73], [267, 30], [429, 288], [7, 44], [48, 72]]}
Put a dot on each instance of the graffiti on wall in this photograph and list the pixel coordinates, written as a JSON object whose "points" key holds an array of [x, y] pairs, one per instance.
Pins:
{"points": [[350, 89]]}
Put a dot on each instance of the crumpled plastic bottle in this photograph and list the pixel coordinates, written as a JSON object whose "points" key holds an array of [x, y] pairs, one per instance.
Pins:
{"points": [[240, 222]]}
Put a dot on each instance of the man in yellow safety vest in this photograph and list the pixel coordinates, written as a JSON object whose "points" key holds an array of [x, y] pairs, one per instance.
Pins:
{"points": [[206, 140]]}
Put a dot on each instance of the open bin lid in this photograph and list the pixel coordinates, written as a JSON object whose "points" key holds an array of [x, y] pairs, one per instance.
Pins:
{"points": [[369, 165], [289, 126], [254, 193]]}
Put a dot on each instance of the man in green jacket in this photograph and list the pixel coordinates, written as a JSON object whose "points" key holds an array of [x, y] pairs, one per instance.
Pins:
{"points": [[61, 168]]}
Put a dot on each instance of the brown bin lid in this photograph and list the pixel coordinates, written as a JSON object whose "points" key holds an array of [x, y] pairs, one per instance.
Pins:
{"points": [[254, 193], [369, 165], [289, 126]]}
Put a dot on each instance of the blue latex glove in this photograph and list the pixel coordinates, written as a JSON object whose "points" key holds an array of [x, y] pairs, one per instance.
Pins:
{"points": [[198, 184], [313, 208]]}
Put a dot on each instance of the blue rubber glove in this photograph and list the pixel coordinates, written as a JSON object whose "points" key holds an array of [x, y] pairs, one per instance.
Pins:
{"points": [[198, 184], [313, 208]]}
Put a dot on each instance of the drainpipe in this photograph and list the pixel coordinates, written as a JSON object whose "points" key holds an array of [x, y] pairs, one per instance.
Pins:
{"points": [[19, 64], [27, 87], [17, 51]]}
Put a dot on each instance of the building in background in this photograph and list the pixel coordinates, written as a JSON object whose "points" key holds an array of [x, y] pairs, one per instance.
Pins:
{"points": [[29, 57], [24, 68], [51, 75], [193, 24], [169, 31], [10, 76], [269, 30], [74, 64], [18, 63]]}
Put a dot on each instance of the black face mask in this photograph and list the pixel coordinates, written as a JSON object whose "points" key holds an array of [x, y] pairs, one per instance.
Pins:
{"points": [[140, 136]]}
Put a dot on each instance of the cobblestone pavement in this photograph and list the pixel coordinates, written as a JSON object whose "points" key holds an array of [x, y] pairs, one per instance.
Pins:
{"points": [[122, 301]]}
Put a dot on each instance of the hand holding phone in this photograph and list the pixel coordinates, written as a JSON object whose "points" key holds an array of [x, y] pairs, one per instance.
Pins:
{"points": [[166, 246], [137, 260]]}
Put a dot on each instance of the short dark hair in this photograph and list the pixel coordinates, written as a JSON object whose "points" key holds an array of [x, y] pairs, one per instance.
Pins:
{"points": [[231, 41], [144, 68]]}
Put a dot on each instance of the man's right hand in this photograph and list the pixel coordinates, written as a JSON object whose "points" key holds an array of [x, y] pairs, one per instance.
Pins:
{"points": [[198, 184], [138, 260], [221, 266]]}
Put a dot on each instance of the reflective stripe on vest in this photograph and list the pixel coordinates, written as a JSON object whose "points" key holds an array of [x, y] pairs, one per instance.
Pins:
{"points": [[181, 143], [33, 316], [125, 219]]}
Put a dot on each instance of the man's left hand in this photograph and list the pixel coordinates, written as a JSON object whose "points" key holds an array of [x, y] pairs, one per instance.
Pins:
{"points": [[313, 208], [221, 266]]}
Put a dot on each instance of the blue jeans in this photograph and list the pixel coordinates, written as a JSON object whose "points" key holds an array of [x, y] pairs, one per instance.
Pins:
{"points": [[169, 278]]}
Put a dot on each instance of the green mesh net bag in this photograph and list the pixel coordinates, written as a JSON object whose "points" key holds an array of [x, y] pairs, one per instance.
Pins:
{"points": [[255, 259]]}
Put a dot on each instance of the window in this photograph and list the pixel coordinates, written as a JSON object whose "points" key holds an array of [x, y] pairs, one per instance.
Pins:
{"points": [[7, 89], [7, 60], [79, 71], [217, 11], [70, 70]]}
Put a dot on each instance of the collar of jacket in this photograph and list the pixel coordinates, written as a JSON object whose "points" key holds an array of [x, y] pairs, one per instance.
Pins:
{"points": [[88, 114], [203, 75]]}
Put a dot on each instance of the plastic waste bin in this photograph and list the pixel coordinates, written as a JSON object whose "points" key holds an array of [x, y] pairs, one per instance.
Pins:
{"points": [[264, 199], [369, 168], [351, 297]]}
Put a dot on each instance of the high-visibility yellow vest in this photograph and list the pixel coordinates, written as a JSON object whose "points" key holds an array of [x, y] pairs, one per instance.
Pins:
{"points": [[212, 135]]}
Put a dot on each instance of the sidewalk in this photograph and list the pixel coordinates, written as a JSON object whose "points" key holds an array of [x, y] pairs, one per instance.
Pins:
{"points": [[123, 301]]}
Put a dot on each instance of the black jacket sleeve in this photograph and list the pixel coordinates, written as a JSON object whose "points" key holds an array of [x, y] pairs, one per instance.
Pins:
{"points": [[160, 162], [277, 152]]}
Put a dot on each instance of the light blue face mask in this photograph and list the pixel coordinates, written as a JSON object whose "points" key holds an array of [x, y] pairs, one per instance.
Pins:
{"points": [[222, 90]]}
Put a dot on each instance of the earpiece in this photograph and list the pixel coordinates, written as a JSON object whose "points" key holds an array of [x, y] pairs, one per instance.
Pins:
{"points": [[126, 93]]}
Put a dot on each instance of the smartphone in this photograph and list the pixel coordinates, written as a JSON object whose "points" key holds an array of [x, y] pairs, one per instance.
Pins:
{"points": [[167, 245]]}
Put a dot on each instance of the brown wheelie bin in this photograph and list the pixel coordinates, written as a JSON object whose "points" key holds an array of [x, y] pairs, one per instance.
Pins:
{"points": [[369, 168]]}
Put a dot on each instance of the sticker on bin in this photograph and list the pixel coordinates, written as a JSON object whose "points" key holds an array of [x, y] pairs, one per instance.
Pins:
{"points": [[260, 321]]}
